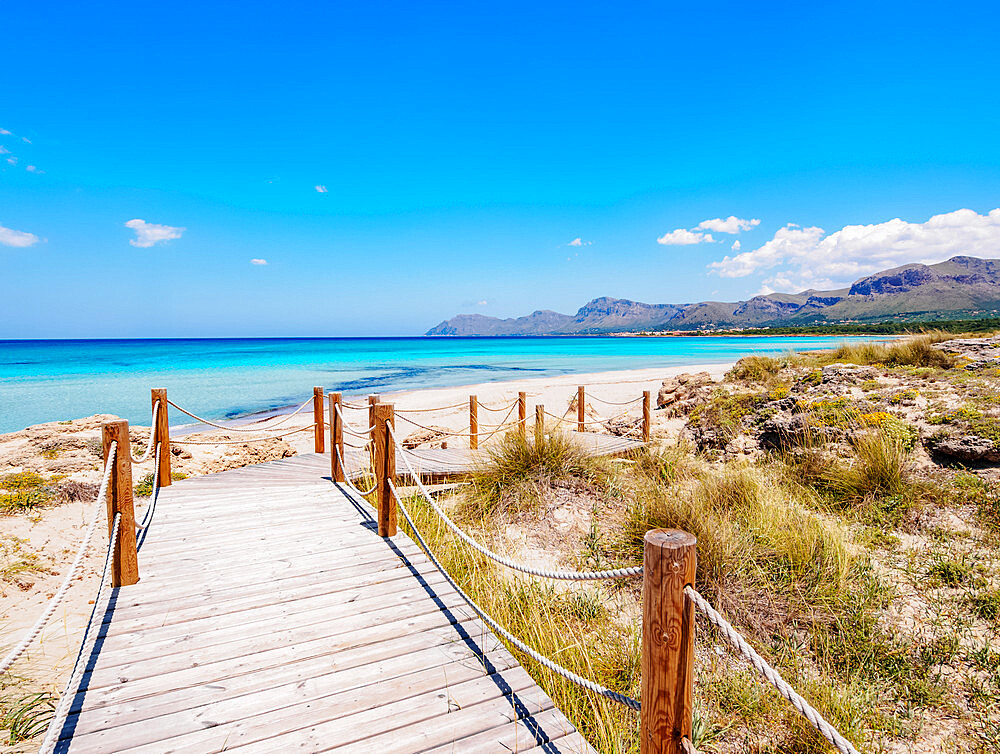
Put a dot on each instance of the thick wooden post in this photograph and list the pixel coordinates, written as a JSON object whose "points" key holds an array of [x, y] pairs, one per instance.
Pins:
{"points": [[522, 413], [473, 421], [581, 417], [336, 437], [319, 426], [539, 425], [669, 564], [647, 417], [372, 400], [162, 436], [125, 562], [385, 468]]}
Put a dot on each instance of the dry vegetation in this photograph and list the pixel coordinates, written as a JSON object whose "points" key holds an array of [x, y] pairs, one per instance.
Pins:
{"points": [[860, 565]]}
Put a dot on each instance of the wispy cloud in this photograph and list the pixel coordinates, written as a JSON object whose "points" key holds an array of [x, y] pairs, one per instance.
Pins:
{"points": [[809, 258], [12, 160], [4, 150], [33, 169], [579, 242], [731, 224], [258, 261], [4, 132], [148, 234], [737, 245], [321, 189], [684, 237], [19, 238]]}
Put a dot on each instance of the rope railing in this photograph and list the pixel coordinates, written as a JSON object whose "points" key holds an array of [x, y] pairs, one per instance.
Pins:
{"points": [[809, 712], [347, 477], [63, 589], [228, 428], [149, 443], [617, 573], [428, 410], [614, 403], [497, 410], [503, 632], [564, 420], [246, 441], [86, 647], [363, 433]]}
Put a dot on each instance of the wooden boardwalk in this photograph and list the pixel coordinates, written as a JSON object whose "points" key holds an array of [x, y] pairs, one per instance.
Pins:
{"points": [[271, 617]]}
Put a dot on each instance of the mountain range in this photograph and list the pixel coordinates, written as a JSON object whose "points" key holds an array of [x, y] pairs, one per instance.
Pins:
{"points": [[960, 288]]}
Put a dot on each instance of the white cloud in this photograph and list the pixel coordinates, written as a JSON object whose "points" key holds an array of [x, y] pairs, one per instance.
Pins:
{"points": [[579, 242], [33, 169], [321, 189], [11, 160], [808, 257], [731, 224], [258, 261], [682, 237], [4, 132], [482, 303], [147, 234], [4, 151], [737, 245], [19, 238], [25, 139]]}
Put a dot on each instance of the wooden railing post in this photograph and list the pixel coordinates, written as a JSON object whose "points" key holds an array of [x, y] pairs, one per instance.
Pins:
{"points": [[669, 564], [473, 422], [337, 472], [372, 400], [319, 426], [647, 417], [161, 435], [385, 468], [522, 413], [580, 415], [539, 425], [125, 562]]}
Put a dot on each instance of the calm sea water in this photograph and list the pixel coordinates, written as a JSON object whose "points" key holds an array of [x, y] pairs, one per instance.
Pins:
{"points": [[224, 378]]}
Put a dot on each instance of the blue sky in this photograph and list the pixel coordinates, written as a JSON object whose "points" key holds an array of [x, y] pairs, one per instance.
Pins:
{"points": [[461, 150]]}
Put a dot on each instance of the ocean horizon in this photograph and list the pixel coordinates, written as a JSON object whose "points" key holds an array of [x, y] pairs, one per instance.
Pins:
{"points": [[228, 378]]}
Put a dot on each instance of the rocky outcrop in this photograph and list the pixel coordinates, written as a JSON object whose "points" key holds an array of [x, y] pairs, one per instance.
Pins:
{"points": [[965, 448], [680, 393], [432, 437]]}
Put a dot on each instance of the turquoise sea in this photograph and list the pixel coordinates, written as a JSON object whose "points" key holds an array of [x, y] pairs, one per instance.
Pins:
{"points": [[49, 380]]}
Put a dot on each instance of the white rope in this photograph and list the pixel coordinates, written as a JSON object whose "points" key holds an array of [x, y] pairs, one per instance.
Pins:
{"points": [[347, 476], [151, 508], [539, 658], [497, 410], [86, 647], [152, 434], [563, 419], [362, 433], [617, 573], [443, 433], [611, 403], [760, 664], [242, 429], [245, 441], [61, 592]]}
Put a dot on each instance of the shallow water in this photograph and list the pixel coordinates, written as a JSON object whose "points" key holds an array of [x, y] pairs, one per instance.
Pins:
{"points": [[229, 377]]}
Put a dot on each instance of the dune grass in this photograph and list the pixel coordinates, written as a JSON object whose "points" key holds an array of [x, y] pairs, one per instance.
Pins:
{"points": [[917, 351]]}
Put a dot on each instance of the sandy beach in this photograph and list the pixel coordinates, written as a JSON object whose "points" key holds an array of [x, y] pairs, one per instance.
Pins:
{"points": [[45, 540]]}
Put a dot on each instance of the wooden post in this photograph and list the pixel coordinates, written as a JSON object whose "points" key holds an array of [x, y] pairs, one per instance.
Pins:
{"points": [[385, 468], [318, 428], [581, 417], [162, 436], [522, 413], [337, 472], [125, 562], [647, 417], [539, 425], [473, 422], [669, 564], [372, 400]]}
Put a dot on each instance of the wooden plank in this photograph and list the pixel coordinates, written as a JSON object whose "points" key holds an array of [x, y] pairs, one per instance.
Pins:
{"points": [[524, 734], [263, 714]]}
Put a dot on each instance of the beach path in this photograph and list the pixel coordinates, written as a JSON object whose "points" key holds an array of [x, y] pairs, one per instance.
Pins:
{"points": [[270, 616]]}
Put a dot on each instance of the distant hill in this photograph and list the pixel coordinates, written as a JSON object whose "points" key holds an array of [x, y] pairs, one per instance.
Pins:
{"points": [[961, 288]]}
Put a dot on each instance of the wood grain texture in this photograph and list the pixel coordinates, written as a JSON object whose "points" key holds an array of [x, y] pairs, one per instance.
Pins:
{"points": [[647, 416], [162, 435], [522, 413], [581, 403], [385, 468], [473, 422], [669, 564], [337, 471], [125, 562], [318, 423], [272, 617], [539, 424]]}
